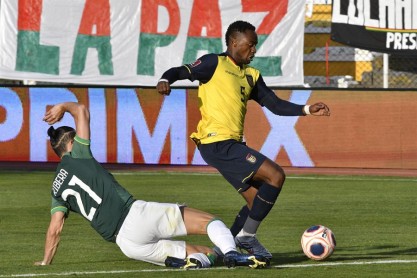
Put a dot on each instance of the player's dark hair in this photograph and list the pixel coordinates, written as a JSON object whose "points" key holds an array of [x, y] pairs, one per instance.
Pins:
{"points": [[237, 26], [60, 137]]}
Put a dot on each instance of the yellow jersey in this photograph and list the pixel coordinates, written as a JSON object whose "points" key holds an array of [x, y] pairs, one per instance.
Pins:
{"points": [[223, 92], [223, 100]]}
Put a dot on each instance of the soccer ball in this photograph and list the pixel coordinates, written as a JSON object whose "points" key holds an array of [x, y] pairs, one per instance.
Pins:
{"points": [[318, 242]]}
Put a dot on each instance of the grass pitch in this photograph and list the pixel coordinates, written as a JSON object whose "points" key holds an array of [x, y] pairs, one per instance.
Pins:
{"points": [[373, 218]]}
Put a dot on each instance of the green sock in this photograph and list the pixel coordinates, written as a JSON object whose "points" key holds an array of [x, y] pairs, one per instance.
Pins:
{"points": [[212, 258]]}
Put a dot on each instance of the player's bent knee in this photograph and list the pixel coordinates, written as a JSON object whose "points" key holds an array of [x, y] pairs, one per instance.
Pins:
{"points": [[278, 179], [271, 173]]}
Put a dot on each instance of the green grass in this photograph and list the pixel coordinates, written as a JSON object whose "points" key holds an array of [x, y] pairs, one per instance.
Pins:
{"points": [[373, 218]]}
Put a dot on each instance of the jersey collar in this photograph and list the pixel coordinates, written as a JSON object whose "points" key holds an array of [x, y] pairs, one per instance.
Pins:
{"points": [[233, 60]]}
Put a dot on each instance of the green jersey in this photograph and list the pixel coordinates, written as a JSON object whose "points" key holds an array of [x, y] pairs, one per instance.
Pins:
{"points": [[82, 185]]}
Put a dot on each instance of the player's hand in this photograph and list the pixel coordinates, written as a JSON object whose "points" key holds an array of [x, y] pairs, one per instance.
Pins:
{"points": [[319, 109], [163, 88], [54, 114]]}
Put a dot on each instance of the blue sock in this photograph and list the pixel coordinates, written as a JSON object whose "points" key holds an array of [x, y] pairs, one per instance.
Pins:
{"points": [[240, 220], [262, 205]]}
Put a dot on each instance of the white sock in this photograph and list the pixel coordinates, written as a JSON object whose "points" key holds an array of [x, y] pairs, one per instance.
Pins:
{"points": [[221, 236], [205, 262]]}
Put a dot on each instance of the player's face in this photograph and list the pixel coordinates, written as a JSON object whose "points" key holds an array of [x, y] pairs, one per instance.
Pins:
{"points": [[244, 47]]}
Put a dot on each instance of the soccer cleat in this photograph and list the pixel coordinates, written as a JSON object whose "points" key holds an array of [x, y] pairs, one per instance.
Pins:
{"points": [[197, 260], [252, 246], [234, 258], [175, 262], [186, 263]]}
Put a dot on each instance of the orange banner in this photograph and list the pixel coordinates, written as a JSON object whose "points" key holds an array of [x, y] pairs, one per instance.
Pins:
{"points": [[366, 129]]}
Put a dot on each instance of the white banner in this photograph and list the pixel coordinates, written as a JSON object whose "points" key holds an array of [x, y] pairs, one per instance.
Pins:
{"points": [[131, 42]]}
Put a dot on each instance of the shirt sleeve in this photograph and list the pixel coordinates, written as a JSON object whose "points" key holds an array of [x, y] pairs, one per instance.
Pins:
{"points": [[176, 73], [266, 97], [58, 206], [202, 70]]}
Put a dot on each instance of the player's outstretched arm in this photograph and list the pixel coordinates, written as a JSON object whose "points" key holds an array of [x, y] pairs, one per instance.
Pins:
{"points": [[52, 237], [170, 76], [78, 111], [319, 109], [163, 87]]}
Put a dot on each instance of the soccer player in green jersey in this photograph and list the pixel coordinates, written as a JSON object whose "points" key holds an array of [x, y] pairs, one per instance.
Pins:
{"points": [[143, 230], [226, 83]]}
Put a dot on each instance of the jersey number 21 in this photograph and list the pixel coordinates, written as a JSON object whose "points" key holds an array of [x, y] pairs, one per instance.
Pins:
{"points": [[76, 181]]}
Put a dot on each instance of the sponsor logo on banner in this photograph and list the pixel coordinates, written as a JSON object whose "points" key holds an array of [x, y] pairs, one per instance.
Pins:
{"points": [[384, 26], [136, 126]]}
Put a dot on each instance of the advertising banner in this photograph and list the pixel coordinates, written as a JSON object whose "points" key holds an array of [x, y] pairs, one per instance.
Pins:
{"points": [[130, 42], [376, 25], [372, 129]]}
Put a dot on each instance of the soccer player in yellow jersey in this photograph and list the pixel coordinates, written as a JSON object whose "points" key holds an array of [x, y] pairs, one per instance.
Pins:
{"points": [[226, 83]]}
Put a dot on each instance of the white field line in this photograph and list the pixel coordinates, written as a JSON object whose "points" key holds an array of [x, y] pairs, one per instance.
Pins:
{"points": [[207, 269], [338, 178], [348, 263]]}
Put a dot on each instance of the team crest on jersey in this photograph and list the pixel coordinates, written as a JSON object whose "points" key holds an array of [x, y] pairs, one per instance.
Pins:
{"points": [[251, 158], [196, 63], [249, 78]]}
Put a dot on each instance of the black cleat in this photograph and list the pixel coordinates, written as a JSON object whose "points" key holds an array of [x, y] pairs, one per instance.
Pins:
{"points": [[234, 258], [186, 263], [251, 245]]}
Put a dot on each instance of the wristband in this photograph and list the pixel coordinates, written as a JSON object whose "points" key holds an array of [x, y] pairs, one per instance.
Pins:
{"points": [[163, 80], [306, 109]]}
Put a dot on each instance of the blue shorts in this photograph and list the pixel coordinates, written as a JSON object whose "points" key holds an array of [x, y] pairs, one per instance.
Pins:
{"points": [[234, 160]]}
